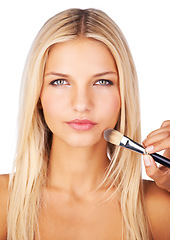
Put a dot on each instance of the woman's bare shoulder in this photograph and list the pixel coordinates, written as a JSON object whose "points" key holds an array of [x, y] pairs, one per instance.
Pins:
{"points": [[157, 202], [4, 179]]}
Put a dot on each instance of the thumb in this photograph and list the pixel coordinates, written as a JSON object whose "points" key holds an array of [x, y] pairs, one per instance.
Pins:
{"points": [[150, 166]]}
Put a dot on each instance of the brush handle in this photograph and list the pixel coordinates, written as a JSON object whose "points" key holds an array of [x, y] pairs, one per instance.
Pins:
{"points": [[161, 159]]}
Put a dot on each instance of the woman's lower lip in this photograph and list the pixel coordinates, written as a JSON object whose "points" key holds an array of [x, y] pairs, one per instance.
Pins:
{"points": [[81, 126]]}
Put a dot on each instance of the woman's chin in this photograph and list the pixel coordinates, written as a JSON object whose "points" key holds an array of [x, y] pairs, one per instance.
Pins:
{"points": [[84, 141]]}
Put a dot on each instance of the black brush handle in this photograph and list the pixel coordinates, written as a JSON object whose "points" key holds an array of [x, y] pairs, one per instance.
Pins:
{"points": [[161, 159]]}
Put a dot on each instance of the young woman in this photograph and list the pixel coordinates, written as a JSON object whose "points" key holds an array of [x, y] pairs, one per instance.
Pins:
{"points": [[68, 183]]}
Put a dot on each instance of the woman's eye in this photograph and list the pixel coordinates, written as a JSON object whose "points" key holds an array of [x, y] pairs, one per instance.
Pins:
{"points": [[59, 82], [104, 82]]}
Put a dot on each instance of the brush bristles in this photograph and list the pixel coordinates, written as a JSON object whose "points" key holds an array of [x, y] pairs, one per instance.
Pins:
{"points": [[113, 136]]}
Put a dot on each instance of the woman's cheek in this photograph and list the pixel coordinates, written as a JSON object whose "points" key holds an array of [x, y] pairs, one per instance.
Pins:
{"points": [[51, 108], [112, 109]]}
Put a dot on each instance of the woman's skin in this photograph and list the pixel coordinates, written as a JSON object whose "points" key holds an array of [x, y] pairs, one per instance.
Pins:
{"points": [[80, 99], [78, 87]]}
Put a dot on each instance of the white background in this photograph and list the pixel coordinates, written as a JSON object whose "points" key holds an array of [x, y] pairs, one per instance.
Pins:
{"points": [[146, 25]]}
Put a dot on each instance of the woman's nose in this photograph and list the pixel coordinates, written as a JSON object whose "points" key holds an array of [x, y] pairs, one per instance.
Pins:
{"points": [[81, 100]]}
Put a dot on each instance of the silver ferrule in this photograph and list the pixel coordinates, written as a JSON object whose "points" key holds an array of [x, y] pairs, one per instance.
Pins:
{"points": [[132, 145]]}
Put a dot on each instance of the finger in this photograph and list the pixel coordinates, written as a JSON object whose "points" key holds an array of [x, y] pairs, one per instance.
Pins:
{"points": [[156, 138], [151, 168], [158, 146]]}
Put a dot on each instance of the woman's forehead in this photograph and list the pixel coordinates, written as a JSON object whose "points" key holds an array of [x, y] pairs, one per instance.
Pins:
{"points": [[84, 51]]}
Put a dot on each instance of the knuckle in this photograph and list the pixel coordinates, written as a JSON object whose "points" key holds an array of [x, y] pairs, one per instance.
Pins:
{"points": [[167, 134], [165, 123]]}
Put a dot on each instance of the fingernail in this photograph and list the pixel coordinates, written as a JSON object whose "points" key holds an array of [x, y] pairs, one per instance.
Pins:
{"points": [[147, 161], [149, 149]]}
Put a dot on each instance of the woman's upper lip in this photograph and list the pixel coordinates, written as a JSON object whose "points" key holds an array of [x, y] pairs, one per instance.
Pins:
{"points": [[82, 121]]}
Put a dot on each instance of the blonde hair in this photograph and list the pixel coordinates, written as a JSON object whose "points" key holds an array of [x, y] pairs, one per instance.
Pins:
{"points": [[34, 137]]}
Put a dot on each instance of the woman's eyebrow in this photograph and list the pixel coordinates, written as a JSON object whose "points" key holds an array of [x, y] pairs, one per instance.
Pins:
{"points": [[66, 75], [105, 73], [57, 74]]}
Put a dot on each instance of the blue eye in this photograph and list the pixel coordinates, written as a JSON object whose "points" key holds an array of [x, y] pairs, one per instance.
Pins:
{"points": [[58, 82], [104, 82]]}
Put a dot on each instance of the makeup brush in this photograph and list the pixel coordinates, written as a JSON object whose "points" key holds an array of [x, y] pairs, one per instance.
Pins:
{"points": [[117, 138]]}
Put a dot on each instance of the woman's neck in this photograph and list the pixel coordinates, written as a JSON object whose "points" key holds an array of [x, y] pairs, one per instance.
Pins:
{"points": [[77, 170]]}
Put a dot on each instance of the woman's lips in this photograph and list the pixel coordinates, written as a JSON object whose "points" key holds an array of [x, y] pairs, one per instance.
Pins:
{"points": [[81, 124]]}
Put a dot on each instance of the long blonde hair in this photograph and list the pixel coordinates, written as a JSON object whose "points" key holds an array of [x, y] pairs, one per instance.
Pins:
{"points": [[34, 137]]}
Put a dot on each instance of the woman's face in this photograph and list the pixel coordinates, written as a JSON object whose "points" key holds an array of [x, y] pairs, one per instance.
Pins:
{"points": [[80, 94]]}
